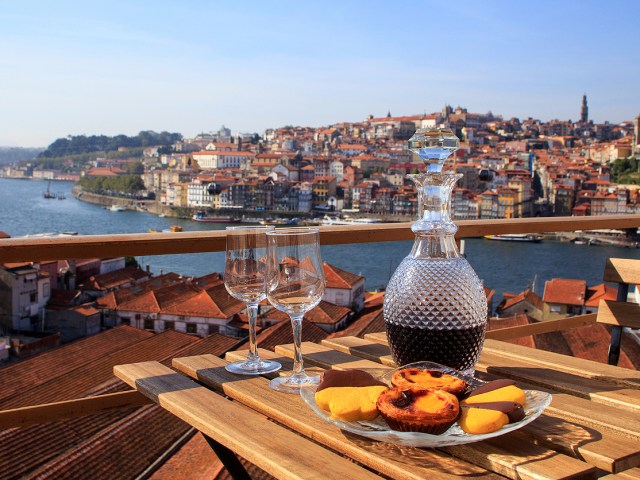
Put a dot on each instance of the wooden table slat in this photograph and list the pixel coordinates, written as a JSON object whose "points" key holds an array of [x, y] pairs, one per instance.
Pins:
{"points": [[632, 474], [566, 363], [566, 406], [273, 448], [505, 458], [609, 450], [600, 389], [290, 410]]}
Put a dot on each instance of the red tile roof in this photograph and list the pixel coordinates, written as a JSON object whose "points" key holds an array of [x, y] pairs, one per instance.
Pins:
{"points": [[20, 377], [600, 292], [371, 320], [74, 382], [327, 313], [281, 333], [116, 278], [338, 278], [113, 444], [565, 291]]}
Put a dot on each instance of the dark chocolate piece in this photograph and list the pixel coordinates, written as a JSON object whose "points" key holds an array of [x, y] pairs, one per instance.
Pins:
{"points": [[348, 378], [491, 386], [513, 410]]}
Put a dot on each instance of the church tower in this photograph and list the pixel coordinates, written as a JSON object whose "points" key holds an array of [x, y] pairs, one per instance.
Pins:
{"points": [[584, 111]]}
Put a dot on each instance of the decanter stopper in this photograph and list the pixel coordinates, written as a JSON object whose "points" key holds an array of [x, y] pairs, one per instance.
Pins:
{"points": [[434, 146]]}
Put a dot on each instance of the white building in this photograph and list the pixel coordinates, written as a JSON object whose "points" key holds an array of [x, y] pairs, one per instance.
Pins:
{"points": [[24, 291], [343, 288], [214, 159]]}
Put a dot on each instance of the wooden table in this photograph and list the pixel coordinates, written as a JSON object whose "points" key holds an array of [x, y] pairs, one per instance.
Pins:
{"points": [[590, 430]]}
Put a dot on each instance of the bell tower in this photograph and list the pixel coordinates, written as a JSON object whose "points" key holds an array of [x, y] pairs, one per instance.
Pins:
{"points": [[584, 111]]}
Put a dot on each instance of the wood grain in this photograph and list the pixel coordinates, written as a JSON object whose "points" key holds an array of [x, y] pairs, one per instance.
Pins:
{"points": [[623, 314], [537, 328], [607, 438], [516, 460], [144, 244], [622, 270], [271, 447], [52, 412], [290, 410]]}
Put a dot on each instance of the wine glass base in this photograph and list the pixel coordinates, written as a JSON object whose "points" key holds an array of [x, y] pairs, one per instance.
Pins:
{"points": [[292, 384], [259, 367]]}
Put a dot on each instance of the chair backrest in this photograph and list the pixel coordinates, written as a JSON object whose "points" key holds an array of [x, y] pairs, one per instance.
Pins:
{"points": [[620, 314]]}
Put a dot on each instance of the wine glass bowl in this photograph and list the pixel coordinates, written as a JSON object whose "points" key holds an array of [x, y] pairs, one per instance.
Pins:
{"points": [[244, 279], [295, 284]]}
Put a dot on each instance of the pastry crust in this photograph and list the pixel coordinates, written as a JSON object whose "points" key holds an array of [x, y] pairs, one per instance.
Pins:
{"points": [[434, 379], [418, 409]]}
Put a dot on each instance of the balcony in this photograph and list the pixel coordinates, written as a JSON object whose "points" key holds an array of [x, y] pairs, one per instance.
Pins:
{"points": [[101, 411]]}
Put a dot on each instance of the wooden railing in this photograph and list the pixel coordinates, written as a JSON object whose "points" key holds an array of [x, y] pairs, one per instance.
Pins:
{"points": [[92, 246], [104, 246]]}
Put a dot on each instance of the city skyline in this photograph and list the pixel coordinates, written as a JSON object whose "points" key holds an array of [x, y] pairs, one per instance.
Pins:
{"points": [[115, 68]]}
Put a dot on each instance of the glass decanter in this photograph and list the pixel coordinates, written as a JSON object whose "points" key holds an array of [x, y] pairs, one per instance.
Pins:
{"points": [[435, 308]]}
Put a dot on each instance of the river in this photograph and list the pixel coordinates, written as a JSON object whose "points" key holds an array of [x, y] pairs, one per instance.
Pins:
{"points": [[503, 266]]}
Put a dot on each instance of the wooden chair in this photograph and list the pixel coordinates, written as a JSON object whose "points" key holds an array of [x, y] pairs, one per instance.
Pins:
{"points": [[620, 314]]}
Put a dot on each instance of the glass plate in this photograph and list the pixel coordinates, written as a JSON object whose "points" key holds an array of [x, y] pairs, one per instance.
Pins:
{"points": [[379, 430]]}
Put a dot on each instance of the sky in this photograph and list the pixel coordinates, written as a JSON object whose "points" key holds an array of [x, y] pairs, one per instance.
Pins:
{"points": [[119, 67]]}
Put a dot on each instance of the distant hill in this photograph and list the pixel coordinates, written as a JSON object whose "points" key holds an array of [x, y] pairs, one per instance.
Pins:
{"points": [[18, 154], [82, 144]]}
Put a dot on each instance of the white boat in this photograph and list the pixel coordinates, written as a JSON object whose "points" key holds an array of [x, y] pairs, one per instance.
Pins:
{"points": [[117, 208], [516, 237], [335, 220]]}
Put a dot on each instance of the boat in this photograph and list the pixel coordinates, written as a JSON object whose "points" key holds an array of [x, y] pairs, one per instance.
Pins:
{"points": [[335, 220], [516, 237], [48, 193], [117, 208], [171, 229], [200, 217]]}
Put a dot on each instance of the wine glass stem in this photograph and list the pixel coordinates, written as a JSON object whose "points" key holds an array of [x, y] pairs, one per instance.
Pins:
{"points": [[296, 323], [252, 313]]}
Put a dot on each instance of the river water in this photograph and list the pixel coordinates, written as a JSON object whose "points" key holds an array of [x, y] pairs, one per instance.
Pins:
{"points": [[503, 266]]}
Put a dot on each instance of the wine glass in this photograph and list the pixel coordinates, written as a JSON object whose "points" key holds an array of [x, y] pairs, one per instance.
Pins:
{"points": [[295, 284], [244, 279]]}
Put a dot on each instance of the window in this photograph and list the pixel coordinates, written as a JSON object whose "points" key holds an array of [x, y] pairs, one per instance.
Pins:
{"points": [[192, 328], [555, 308], [214, 329], [169, 325], [33, 298], [138, 316], [148, 324], [125, 321]]}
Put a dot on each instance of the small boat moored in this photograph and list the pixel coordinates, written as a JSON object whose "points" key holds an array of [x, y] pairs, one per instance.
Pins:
{"points": [[516, 237]]}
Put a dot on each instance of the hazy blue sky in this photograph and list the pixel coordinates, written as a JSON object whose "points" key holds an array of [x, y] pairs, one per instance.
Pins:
{"points": [[110, 67]]}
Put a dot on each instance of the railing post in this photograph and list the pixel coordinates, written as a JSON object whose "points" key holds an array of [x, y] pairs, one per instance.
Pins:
{"points": [[616, 330]]}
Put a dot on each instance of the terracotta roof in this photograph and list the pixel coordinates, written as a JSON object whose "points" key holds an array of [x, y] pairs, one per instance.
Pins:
{"points": [[515, 321], [338, 278], [19, 377], [565, 291], [120, 443], [371, 320], [74, 382], [111, 280], [600, 292], [281, 333], [527, 295], [327, 313], [4, 235]]}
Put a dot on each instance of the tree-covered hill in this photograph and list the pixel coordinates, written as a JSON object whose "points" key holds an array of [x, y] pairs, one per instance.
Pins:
{"points": [[82, 144]]}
